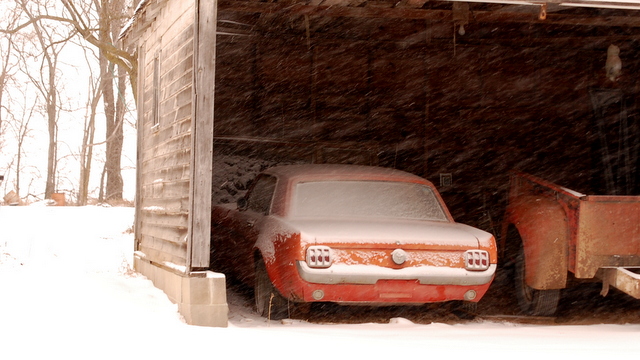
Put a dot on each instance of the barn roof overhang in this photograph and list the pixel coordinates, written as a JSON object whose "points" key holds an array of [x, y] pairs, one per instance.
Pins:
{"points": [[144, 14], [613, 13], [579, 12]]}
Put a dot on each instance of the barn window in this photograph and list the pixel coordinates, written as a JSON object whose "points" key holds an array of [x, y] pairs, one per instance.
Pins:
{"points": [[156, 90]]}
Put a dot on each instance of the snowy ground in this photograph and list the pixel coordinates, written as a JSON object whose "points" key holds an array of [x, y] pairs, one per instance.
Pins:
{"points": [[67, 291]]}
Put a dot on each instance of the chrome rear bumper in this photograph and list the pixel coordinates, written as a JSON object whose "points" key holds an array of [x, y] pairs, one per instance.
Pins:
{"points": [[370, 274]]}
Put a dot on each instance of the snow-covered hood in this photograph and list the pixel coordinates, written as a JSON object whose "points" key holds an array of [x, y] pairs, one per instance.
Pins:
{"points": [[388, 231]]}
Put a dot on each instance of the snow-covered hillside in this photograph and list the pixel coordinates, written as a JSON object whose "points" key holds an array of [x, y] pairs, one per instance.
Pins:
{"points": [[67, 291]]}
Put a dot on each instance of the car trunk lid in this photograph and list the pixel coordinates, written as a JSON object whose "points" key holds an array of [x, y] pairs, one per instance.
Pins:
{"points": [[386, 233]]}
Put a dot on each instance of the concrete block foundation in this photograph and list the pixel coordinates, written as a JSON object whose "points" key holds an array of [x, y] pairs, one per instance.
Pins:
{"points": [[201, 296]]}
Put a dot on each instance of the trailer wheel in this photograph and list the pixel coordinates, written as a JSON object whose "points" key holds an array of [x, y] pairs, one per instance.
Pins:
{"points": [[269, 302], [534, 302]]}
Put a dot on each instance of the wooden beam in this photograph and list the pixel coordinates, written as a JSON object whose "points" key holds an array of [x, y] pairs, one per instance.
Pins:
{"points": [[591, 43], [202, 136], [416, 4], [333, 11], [328, 2], [401, 12], [557, 19]]}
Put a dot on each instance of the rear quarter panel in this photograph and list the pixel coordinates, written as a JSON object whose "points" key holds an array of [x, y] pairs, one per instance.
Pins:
{"points": [[279, 244]]}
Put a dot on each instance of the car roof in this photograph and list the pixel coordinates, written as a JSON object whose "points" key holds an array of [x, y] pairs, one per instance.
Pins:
{"points": [[340, 171]]}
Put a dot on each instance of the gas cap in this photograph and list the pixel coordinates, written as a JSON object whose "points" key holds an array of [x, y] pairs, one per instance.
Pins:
{"points": [[399, 256]]}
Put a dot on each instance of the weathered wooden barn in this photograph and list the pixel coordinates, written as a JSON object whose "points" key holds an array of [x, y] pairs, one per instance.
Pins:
{"points": [[458, 92]]}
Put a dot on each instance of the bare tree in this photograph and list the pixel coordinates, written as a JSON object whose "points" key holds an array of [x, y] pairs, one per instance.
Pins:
{"points": [[113, 67], [110, 24], [51, 40], [20, 106], [15, 111], [7, 66], [20, 128], [98, 22], [112, 14], [81, 16], [86, 150]]}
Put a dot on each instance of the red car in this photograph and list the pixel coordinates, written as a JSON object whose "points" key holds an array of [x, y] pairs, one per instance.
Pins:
{"points": [[351, 235]]}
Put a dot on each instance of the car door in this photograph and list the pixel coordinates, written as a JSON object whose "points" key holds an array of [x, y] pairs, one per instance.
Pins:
{"points": [[250, 219]]}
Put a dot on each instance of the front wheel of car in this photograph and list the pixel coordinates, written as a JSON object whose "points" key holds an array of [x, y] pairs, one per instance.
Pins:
{"points": [[269, 302], [534, 302]]}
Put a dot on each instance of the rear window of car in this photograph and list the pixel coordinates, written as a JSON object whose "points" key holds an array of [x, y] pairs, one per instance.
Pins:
{"points": [[366, 199]]}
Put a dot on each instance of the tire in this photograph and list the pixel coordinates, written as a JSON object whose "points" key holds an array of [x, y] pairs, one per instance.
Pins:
{"points": [[269, 302], [533, 302]]}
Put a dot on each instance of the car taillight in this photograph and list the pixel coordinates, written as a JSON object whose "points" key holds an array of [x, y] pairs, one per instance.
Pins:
{"points": [[476, 260], [319, 256]]}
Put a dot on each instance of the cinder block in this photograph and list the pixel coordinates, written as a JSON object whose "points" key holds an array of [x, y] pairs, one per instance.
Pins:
{"points": [[215, 315], [201, 297], [204, 300], [210, 289]]}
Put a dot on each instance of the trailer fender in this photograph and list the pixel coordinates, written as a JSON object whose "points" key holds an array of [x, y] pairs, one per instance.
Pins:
{"points": [[544, 231]]}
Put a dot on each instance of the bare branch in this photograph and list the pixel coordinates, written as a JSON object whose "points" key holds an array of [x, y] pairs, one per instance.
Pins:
{"points": [[33, 20]]}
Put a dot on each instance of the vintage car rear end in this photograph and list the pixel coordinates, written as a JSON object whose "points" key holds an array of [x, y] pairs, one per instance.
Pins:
{"points": [[366, 235], [390, 262]]}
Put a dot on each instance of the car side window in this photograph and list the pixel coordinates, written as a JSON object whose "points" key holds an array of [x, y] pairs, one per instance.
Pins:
{"points": [[259, 199]]}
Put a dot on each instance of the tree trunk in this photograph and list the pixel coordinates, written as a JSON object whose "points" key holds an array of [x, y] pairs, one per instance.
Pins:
{"points": [[86, 154], [52, 130], [114, 136]]}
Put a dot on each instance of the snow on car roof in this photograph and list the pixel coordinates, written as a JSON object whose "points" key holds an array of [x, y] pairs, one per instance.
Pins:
{"points": [[334, 171]]}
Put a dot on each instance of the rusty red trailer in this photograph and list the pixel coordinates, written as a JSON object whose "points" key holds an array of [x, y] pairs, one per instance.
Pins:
{"points": [[557, 231]]}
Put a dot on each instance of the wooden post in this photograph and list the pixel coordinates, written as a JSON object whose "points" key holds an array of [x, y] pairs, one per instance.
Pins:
{"points": [[198, 243]]}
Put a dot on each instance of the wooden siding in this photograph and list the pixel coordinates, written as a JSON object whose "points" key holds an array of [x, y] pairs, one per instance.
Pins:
{"points": [[165, 150]]}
